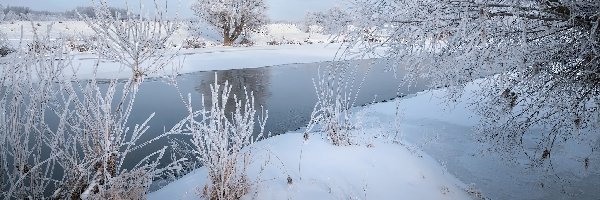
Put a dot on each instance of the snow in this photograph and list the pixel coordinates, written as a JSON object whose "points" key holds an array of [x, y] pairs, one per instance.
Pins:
{"points": [[433, 145], [319, 170], [213, 58], [193, 60], [444, 131], [432, 157], [60, 29]]}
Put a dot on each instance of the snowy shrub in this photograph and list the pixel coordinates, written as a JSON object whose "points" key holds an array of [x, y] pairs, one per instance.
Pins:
{"points": [[93, 142], [26, 85], [336, 93], [81, 44], [5, 50], [65, 138], [273, 43], [193, 43], [246, 42], [136, 42], [218, 138]]}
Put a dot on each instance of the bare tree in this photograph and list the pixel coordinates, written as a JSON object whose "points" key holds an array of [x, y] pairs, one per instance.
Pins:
{"points": [[232, 18], [541, 60]]}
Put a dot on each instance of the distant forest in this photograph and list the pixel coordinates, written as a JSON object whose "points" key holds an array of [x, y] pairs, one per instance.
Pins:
{"points": [[18, 13]]}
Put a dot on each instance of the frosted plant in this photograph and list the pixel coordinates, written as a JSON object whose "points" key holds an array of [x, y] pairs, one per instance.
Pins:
{"points": [[136, 42], [93, 142], [337, 88], [26, 88], [231, 18], [218, 138], [540, 58], [69, 139]]}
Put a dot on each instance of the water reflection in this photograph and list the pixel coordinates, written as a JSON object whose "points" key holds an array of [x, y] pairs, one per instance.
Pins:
{"points": [[287, 92], [253, 81]]}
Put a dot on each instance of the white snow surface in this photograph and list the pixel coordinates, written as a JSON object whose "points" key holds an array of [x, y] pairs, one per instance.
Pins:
{"points": [[213, 57], [415, 157], [382, 170], [445, 131]]}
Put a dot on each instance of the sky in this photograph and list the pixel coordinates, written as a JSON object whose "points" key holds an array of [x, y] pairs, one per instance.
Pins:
{"points": [[289, 10]]}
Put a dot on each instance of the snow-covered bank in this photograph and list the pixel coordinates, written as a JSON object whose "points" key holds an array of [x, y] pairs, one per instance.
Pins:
{"points": [[445, 132], [294, 46], [318, 170], [436, 144], [216, 58]]}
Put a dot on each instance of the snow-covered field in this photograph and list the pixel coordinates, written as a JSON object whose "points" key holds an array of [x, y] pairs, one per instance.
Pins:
{"points": [[445, 131]]}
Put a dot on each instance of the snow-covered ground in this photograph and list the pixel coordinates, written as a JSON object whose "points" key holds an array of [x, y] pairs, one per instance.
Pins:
{"points": [[380, 169], [212, 57], [416, 157], [383, 164], [445, 131], [215, 58]]}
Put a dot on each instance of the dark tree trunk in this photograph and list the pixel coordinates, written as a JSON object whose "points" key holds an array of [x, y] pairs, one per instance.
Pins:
{"points": [[229, 36]]}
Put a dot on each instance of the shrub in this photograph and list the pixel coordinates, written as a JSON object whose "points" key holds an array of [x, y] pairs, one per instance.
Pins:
{"points": [[336, 94], [218, 139], [193, 43], [4, 51]]}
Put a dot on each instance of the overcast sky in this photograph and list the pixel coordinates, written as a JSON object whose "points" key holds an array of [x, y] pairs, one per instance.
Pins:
{"points": [[278, 9]]}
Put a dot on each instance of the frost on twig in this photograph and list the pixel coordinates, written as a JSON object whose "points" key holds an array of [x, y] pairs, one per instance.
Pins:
{"points": [[337, 88], [540, 61], [218, 138], [67, 138], [26, 90], [135, 41]]}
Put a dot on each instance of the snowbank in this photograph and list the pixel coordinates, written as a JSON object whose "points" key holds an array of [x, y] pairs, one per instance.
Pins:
{"points": [[214, 58], [313, 47], [319, 170], [444, 131]]}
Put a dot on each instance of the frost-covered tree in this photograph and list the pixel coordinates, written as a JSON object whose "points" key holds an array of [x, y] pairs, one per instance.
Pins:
{"points": [[232, 18], [90, 11], [333, 21], [11, 16], [540, 57]]}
